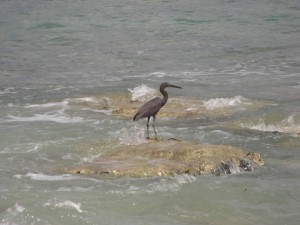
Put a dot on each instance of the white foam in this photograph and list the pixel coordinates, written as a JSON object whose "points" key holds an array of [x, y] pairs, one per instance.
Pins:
{"points": [[19, 208], [287, 125], [104, 111], [261, 127], [86, 99], [158, 74], [271, 128], [15, 210], [49, 105], [56, 111], [66, 102], [185, 178], [90, 100], [172, 185], [44, 177], [132, 136], [69, 204], [57, 118], [91, 158], [143, 93], [217, 103], [9, 90], [76, 189]]}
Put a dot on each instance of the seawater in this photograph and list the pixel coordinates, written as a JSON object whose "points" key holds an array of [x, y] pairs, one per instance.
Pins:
{"points": [[230, 53]]}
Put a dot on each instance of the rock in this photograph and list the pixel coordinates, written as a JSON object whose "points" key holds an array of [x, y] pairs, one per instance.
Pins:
{"points": [[180, 107], [245, 164], [121, 105], [169, 157]]}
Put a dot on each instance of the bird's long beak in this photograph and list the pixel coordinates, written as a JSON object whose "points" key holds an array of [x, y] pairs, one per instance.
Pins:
{"points": [[174, 86]]}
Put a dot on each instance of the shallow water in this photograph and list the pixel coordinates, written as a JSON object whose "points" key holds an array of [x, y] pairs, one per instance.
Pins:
{"points": [[54, 54]]}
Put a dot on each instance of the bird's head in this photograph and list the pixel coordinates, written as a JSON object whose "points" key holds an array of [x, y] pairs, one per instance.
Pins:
{"points": [[166, 84]]}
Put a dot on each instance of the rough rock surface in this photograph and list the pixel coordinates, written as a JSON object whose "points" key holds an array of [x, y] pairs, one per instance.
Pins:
{"points": [[169, 157], [177, 107]]}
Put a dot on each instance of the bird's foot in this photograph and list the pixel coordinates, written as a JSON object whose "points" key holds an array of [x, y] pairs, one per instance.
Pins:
{"points": [[156, 138]]}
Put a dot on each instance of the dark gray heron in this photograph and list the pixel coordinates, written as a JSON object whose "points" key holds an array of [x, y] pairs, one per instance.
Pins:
{"points": [[152, 107]]}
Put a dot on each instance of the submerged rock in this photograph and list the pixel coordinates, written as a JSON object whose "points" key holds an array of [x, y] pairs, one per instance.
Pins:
{"points": [[169, 157], [245, 164]]}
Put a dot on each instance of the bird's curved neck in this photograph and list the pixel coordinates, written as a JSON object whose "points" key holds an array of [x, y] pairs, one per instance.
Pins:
{"points": [[165, 98]]}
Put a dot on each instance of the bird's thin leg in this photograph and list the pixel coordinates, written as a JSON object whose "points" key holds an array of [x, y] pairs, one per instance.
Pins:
{"points": [[154, 132], [155, 137], [148, 137]]}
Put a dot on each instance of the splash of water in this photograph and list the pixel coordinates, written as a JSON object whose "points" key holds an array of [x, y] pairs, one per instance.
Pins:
{"points": [[132, 136], [69, 204], [142, 93]]}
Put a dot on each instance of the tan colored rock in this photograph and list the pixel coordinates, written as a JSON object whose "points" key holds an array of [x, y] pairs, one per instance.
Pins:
{"points": [[176, 107], [167, 158]]}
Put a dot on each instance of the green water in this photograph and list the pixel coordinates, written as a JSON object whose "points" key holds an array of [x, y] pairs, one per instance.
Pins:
{"points": [[56, 52]]}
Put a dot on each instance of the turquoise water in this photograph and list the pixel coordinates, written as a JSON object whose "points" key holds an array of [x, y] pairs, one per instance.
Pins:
{"points": [[230, 53]]}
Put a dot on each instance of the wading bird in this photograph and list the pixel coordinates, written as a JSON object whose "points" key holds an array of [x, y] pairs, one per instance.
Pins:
{"points": [[152, 107]]}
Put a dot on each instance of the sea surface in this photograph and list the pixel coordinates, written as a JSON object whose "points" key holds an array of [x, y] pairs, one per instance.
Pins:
{"points": [[231, 53]]}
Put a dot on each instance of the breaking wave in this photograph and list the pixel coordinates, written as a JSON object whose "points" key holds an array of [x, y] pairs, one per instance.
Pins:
{"points": [[69, 204], [288, 125], [217, 103]]}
